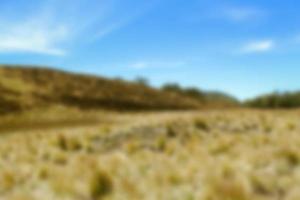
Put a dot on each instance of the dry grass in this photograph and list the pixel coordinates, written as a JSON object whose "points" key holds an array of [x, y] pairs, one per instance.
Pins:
{"points": [[213, 155], [27, 87]]}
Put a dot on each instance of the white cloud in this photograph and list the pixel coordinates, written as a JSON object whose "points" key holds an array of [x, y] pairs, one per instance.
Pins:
{"points": [[258, 46], [34, 38], [49, 27], [156, 64], [295, 39], [241, 14]]}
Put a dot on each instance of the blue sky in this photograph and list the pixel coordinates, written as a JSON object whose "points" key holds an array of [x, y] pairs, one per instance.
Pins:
{"points": [[243, 47]]}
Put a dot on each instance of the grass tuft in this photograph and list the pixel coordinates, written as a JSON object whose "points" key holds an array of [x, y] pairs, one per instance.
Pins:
{"points": [[101, 185]]}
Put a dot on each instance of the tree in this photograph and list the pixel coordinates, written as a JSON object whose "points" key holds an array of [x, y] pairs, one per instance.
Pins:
{"points": [[142, 81], [172, 87]]}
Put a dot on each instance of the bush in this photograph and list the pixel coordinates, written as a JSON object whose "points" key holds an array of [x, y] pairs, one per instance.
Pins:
{"points": [[100, 185], [201, 124]]}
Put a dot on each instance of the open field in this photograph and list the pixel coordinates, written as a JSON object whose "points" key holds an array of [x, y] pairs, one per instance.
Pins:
{"points": [[208, 155]]}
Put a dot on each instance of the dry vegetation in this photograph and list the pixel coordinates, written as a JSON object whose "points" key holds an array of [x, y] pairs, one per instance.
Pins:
{"points": [[213, 155], [56, 144], [24, 88]]}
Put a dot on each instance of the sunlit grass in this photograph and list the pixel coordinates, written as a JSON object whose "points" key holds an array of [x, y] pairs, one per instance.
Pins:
{"points": [[213, 155]]}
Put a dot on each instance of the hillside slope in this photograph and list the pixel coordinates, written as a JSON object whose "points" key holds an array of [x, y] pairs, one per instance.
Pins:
{"points": [[276, 100], [26, 87]]}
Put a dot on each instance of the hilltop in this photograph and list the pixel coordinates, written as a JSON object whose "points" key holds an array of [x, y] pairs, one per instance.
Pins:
{"points": [[27, 87]]}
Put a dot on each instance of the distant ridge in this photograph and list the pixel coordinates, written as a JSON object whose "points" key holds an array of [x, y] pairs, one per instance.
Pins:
{"points": [[276, 100], [23, 88], [28, 87]]}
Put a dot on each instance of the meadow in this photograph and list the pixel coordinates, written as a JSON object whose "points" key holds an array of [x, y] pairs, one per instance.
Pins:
{"points": [[238, 154], [149, 100]]}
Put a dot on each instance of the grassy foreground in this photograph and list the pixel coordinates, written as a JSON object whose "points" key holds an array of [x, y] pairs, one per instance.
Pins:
{"points": [[212, 155]]}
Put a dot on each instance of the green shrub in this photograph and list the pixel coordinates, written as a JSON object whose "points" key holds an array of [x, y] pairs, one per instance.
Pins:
{"points": [[161, 143], [201, 124], [171, 132], [101, 185]]}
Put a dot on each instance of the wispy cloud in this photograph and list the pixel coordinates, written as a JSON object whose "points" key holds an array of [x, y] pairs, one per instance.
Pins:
{"points": [[50, 27], [33, 37], [156, 64], [295, 39], [240, 13], [233, 13], [258, 46]]}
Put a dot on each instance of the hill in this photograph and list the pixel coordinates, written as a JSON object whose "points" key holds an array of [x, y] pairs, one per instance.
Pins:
{"points": [[220, 99], [27, 87], [211, 99], [276, 100]]}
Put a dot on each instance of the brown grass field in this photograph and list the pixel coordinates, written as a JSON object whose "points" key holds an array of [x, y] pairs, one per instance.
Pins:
{"points": [[207, 155]]}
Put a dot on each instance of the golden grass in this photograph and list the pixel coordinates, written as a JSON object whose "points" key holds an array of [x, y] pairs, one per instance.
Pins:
{"points": [[213, 155]]}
